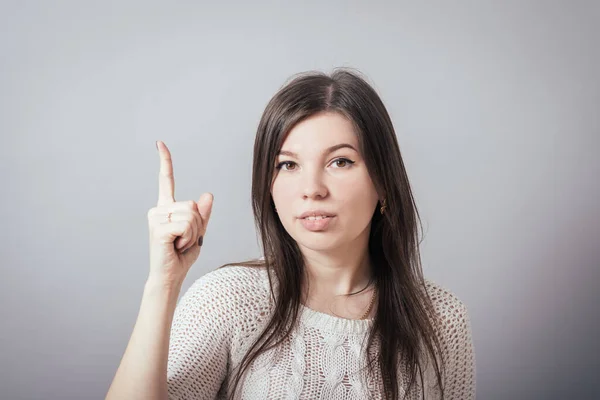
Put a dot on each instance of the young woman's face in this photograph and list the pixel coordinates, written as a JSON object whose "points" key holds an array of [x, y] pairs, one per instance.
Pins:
{"points": [[321, 172]]}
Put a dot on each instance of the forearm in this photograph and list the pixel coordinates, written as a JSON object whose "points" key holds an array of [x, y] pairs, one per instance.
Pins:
{"points": [[142, 373]]}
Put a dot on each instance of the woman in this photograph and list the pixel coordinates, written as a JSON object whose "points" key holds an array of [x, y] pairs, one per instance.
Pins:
{"points": [[337, 307]]}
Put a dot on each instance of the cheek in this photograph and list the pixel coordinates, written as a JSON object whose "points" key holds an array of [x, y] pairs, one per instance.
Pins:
{"points": [[361, 185], [361, 198], [359, 208], [282, 194]]}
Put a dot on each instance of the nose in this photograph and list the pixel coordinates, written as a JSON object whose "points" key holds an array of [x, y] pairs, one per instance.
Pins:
{"points": [[313, 185]]}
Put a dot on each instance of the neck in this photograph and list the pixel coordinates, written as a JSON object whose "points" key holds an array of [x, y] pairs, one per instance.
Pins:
{"points": [[337, 272]]}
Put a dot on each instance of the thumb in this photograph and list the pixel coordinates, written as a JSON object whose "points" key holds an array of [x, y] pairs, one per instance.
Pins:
{"points": [[205, 207]]}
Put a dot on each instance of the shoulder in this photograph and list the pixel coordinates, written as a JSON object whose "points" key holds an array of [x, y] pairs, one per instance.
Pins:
{"points": [[229, 289], [447, 305], [224, 298], [233, 283], [235, 275]]}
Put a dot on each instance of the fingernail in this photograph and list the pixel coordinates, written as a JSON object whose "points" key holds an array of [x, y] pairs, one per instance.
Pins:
{"points": [[156, 143], [200, 240]]}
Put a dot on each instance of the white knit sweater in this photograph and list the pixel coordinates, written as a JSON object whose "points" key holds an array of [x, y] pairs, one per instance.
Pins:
{"points": [[221, 314]]}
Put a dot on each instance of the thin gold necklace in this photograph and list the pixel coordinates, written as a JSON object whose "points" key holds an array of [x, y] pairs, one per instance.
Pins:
{"points": [[364, 316]]}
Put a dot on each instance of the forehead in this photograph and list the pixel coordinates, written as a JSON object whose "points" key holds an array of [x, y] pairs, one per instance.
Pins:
{"points": [[320, 131]]}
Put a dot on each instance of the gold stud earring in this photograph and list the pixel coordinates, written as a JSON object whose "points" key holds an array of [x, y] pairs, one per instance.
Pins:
{"points": [[383, 207]]}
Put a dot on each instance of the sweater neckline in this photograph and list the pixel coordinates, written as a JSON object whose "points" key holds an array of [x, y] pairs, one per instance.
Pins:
{"points": [[325, 322], [315, 319]]}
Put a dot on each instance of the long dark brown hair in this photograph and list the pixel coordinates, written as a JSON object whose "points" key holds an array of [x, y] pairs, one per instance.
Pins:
{"points": [[405, 319]]}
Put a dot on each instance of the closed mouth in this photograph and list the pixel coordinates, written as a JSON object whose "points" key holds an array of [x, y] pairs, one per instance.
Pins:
{"points": [[317, 217]]}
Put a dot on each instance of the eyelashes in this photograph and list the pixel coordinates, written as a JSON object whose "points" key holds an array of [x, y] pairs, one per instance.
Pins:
{"points": [[287, 164], [281, 164]]}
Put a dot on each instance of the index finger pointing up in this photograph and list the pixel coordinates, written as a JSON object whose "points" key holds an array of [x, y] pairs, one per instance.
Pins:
{"points": [[166, 182]]}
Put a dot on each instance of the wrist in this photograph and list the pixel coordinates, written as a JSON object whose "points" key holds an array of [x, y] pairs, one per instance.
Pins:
{"points": [[162, 285]]}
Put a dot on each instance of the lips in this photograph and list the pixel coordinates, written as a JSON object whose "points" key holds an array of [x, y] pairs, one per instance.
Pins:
{"points": [[316, 213], [316, 220]]}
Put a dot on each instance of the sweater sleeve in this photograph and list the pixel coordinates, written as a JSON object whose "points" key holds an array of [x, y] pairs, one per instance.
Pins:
{"points": [[200, 338], [459, 378], [457, 347]]}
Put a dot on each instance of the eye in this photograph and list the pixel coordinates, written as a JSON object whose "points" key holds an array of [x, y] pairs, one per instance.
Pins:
{"points": [[286, 164], [342, 162]]}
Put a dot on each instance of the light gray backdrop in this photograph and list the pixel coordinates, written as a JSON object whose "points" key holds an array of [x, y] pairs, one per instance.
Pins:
{"points": [[496, 106]]}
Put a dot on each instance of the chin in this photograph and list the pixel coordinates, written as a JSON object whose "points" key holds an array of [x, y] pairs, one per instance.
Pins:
{"points": [[318, 242]]}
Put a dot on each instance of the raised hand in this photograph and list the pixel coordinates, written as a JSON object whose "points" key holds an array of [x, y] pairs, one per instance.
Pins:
{"points": [[176, 229]]}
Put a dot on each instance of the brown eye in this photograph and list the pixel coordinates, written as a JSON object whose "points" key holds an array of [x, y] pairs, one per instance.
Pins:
{"points": [[287, 165], [343, 162]]}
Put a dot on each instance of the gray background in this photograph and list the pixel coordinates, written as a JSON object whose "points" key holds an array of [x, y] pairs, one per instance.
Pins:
{"points": [[496, 106]]}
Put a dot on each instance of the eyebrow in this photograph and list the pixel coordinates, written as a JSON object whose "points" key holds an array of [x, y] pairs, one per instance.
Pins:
{"points": [[327, 151]]}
